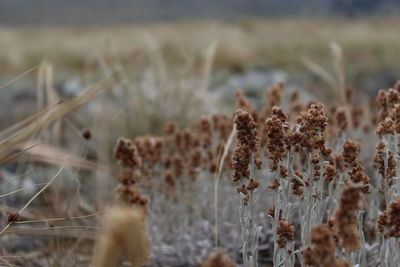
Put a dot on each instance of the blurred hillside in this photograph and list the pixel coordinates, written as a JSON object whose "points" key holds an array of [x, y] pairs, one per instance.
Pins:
{"points": [[105, 12]]}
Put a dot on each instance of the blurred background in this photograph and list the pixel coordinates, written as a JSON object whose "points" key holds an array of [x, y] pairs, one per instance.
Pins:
{"points": [[223, 45], [76, 75], [106, 12], [279, 34]]}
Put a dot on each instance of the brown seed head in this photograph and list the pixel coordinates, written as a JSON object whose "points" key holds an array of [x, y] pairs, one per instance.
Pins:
{"points": [[346, 218], [386, 126], [330, 172], [322, 253], [87, 135], [13, 217], [285, 232], [169, 178], [393, 97], [357, 114], [276, 130], [312, 125], [170, 128], [350, 152], [389, 220], [127, 154], [247, 144], [342, 118]]}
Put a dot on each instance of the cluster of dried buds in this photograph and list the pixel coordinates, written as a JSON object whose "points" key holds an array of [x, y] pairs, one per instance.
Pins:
{"points": [[389, 220], [350, 155], [312, 124], [388, 130], [345, 220], [322, 252], [128, 191], [285, 232], [177, 154], [248, 143], [276, 128]]}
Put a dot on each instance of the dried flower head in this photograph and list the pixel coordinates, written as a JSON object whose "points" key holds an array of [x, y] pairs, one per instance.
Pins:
{"points": [[380, 158], [169, 178], [246, 130], [13, 217], [252, 185], [87, 134], [388, 170], [349, 94], [330, 172], [356, 115], [389, 220], [170, 128], [205, 126], [242, 103], [395, 116], [285, 232], [247, 144], [312, 124], [151, 149], [350, 152], [393, 98], [386, 126], [322, 253], [274, 185], [128, 176], [297, 184], [127, 191], [342, 118], [357, 175], [178, 166], [276, 130], [346, 218], [257, 162], [196, 158], [127, 154], [131, 195]]}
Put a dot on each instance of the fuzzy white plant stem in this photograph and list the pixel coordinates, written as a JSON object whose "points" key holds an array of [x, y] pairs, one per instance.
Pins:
{"points": [[384, 253], [282, 204], [242, 220], [274, 223], [250, 233], [360, 256], [307, 205], [251, 228]]}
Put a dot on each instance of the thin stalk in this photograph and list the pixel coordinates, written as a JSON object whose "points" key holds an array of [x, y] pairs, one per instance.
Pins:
{"points": [[216, 184], [242, 220]]}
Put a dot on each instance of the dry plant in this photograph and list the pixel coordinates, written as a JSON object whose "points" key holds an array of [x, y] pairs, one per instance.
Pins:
{"points": [[322, 186], [300, 186], [125, 234]]}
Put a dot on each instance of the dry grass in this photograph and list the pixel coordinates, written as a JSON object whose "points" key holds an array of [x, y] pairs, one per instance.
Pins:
{"points": [[274, 43]]}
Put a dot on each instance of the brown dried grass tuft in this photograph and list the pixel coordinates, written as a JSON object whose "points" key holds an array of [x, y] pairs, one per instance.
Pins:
{"points": [[125, 233], [32, 126]]}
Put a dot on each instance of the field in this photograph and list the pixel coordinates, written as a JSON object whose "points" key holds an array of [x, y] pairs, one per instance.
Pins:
{"points": [[279, 43], [242, 143]]}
